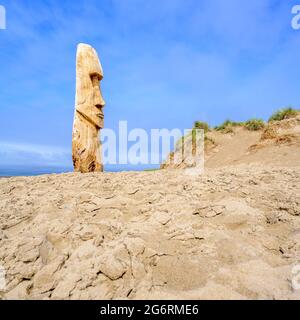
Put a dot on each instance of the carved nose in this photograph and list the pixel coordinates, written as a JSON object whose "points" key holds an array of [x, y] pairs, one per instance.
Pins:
{"points": [[98, 99]]}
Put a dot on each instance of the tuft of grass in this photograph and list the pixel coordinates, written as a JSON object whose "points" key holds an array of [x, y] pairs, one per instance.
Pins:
{"points": [[180, 144], [285, 138], [269, 133], [228, 129], [254, 124], [201, 125], [227, 126], [209, 140], [282, 114]]}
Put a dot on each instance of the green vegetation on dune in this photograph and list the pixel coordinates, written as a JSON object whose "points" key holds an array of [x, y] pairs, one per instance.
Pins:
{"points": [[201, 125], [285, 113], [227, 126], [254, 124], [192, 134]]}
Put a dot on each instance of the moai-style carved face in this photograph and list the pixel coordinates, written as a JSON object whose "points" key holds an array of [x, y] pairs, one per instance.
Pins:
{"points": [[89, 100]]}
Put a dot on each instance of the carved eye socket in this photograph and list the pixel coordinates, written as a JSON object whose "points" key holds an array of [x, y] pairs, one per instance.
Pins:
{"points": [[95, 78]]}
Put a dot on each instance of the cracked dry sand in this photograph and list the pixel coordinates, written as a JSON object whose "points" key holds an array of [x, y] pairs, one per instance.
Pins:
{"points": [[232, 233]]}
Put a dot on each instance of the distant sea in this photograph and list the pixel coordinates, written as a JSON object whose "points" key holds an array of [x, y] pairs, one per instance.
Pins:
{"points": [[11, 171]]}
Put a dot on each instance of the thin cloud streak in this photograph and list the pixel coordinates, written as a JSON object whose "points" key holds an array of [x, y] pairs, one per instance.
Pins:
{"points": [[26, 154]]}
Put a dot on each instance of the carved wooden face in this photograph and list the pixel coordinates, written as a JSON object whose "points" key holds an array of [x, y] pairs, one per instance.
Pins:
{"points": [[89, 100]]}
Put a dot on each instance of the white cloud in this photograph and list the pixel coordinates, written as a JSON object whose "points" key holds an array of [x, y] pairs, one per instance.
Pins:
{"points": [[12, 153]]}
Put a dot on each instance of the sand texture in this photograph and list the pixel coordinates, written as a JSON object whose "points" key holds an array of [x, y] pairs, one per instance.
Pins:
{"points": [[231, 233]]}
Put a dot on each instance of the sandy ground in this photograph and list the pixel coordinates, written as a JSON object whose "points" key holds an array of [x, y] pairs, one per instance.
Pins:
{"points": [[231, 233]]}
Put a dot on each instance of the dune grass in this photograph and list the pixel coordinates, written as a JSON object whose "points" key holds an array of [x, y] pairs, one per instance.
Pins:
{"points": [[228, 125], [285, 113], [201, 125], [254, 124]]}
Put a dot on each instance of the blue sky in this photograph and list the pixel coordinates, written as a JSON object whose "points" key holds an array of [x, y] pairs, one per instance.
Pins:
{"points": [[166, 64]]}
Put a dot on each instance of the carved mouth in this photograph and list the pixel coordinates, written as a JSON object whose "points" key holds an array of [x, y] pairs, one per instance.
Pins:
{"points": [[90, 119], [100, 114]]}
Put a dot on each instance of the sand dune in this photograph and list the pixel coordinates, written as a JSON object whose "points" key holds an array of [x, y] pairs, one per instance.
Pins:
{"points": [[231, 233]]}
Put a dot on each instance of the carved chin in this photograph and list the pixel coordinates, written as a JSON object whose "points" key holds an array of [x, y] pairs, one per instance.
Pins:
{"points": [[96, 121]]}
